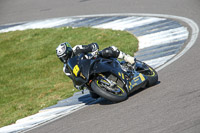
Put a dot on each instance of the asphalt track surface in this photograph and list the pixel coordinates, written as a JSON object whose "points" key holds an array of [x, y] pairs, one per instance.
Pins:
{"points": [[171, 106]]}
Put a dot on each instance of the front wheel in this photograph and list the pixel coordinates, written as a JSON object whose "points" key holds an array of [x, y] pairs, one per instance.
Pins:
{"points": [[114, 93]]}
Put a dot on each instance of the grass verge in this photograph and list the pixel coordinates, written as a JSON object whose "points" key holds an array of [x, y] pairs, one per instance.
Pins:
{"points": [[31, 76]]}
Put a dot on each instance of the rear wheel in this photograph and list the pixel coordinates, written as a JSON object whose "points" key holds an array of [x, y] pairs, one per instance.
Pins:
{"points": [[114, 93]]}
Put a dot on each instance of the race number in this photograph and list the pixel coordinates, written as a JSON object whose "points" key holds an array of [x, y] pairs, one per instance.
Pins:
{"points": [[76, 70]]}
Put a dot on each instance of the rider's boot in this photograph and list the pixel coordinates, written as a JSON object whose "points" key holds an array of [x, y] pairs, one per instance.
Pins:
{"points": [[126, 57]]}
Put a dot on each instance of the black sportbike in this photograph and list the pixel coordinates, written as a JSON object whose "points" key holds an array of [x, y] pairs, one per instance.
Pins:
{"points": [[110, 78]]}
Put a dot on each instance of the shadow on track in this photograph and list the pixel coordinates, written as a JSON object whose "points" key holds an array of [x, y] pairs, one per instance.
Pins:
{"points": [[103, 101]]}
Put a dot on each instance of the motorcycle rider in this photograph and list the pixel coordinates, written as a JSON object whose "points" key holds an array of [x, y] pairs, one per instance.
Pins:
{"points": [[64, 51]]}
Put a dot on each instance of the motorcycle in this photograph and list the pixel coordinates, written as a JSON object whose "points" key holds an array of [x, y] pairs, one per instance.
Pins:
{"points": [[110, 78]]}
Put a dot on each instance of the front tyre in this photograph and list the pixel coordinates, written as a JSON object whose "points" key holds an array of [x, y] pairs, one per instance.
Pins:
{"points": [[117, 95]]}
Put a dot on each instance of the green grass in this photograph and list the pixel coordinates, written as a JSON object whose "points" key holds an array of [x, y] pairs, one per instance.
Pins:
{"points": [[31, 76]]}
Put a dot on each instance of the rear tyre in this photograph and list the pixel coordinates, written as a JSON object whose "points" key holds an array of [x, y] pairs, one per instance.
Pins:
{"points": [[152, 76], [117, 95]]}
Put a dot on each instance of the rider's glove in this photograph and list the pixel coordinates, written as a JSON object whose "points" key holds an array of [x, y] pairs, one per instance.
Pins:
{"points": [[93, 46], [95, 53]]}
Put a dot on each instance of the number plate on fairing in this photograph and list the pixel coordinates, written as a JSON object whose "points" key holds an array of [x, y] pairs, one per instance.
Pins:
{"points": [[76, 70]]}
